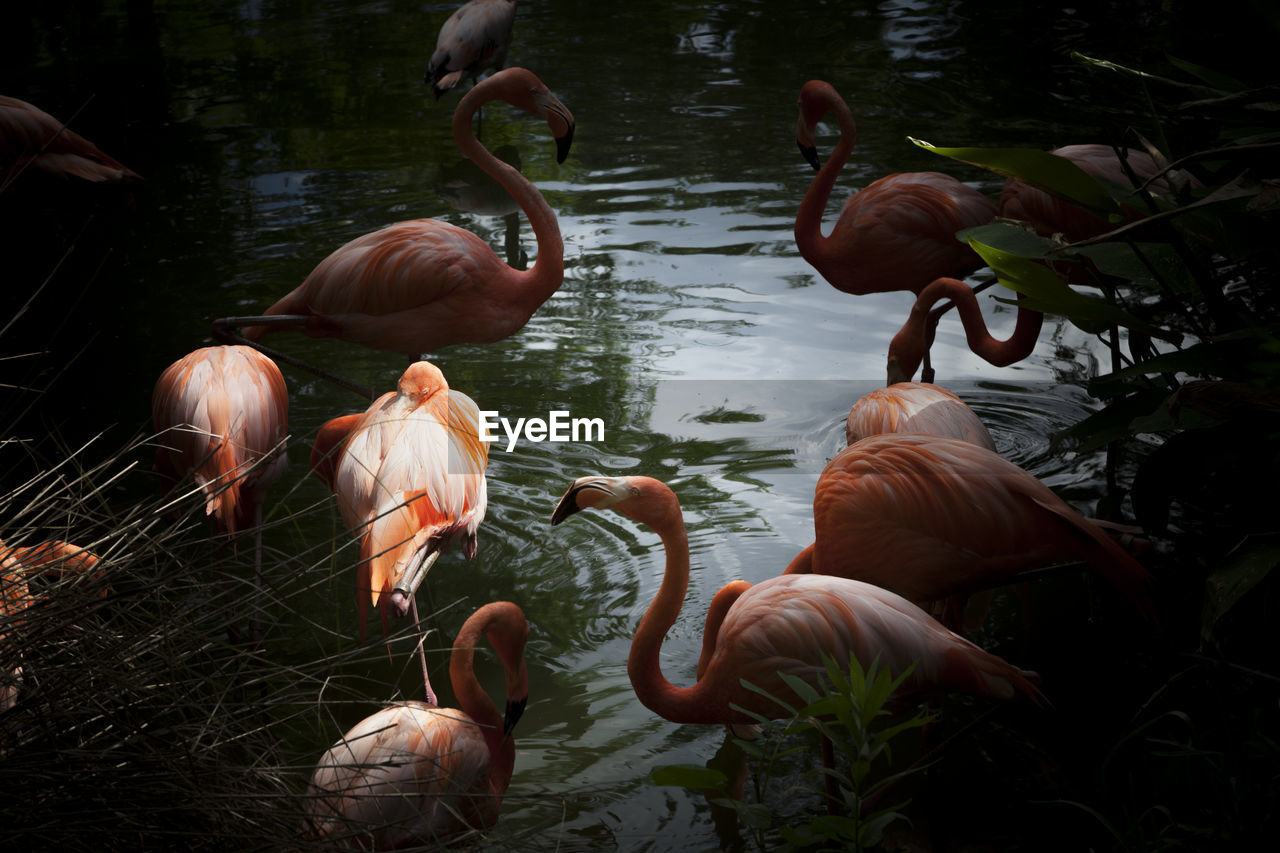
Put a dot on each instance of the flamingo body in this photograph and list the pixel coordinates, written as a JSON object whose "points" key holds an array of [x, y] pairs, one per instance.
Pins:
{"points": [[30, 138], [222, 413], [409, 477], [475, 38], [413, 773], [782, 625], [909, 407], [28, 615], [932, 517], [898, 233], [908, 346], [1050, 215], [415, 286]]}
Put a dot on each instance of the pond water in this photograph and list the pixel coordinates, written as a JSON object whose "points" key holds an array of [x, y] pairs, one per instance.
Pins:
{"points": [[270, 133]]}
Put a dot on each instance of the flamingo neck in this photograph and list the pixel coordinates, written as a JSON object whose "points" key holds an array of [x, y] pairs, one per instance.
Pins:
{"points": [[477, 704], [643, 664], [907, 347], [813, 246], [535, 285]]}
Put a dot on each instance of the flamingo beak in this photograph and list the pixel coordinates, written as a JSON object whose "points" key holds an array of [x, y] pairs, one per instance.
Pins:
{"points": [[586, 487], [810, 153], [514, 710], [560, 120]]}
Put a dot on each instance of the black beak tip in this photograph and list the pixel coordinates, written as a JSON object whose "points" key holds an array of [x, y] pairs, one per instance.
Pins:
{"points": [[515, 710], [568, 506], [562, 145], [810, 153]]}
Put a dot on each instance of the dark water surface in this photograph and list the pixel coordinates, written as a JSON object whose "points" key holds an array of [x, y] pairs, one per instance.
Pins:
{"points": [[270, 133]]}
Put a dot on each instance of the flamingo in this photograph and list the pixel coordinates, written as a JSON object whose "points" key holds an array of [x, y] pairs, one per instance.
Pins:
{"points": [[783, 625], [474, 38], [915, 407], [68, 566], [897, 233], [409, 478], [414, 773], [31, 138], [1050, 215], [222, 415], [935, 518], [419, 285], [911, 344]]}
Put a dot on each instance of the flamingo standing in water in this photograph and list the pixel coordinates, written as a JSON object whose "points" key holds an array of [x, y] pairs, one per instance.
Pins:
{"points": [[414, 773], [1050, 215], [910, 345], [897, 233], [936, 518], [409, 478], [781, 625], [30, 138], [915, 407], [416, 286], [475, 38], [222, 415]]}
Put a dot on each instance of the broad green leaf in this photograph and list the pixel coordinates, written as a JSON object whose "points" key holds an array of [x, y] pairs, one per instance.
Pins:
{"points": [[1010, 238], [1048, 293], [1241, 572], [1053, 174], [688, 776]]}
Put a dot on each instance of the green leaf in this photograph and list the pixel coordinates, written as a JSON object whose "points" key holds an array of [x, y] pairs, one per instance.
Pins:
{"points": [[1242, 571], [1044, 291], [688, 776], [1051, 173]]}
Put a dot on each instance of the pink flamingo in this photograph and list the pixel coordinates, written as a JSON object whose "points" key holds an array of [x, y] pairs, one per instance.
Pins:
{"points": [[414, 773], [30, 138], [1050, 215], [785, 624], [222, 413], [915, 407], [476, 37], [409, 478], [416, 286], [911, 344], [897, 233], [936, 518]]}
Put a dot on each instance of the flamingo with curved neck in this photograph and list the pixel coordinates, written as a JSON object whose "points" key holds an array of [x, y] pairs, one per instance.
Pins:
{"points": [[420, 285], [910, 345], [782, 625], [414, 773], [898, 233]]}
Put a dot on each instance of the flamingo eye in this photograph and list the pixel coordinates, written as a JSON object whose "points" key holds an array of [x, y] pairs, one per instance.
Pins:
{"points": [[635, 491]]}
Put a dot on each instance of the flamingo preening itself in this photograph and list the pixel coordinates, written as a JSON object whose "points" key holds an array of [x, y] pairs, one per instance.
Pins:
{"points": [[409, 478]]}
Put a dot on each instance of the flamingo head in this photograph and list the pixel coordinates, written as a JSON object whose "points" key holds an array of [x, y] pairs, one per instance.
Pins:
{"points": [[508, 636], [814, 102], [421, 379], [523, 90], [642, 499]]}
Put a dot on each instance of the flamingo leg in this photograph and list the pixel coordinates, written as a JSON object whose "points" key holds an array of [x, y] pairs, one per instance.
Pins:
{"points": [[226, 330], [429, 695], [931, 328]]}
